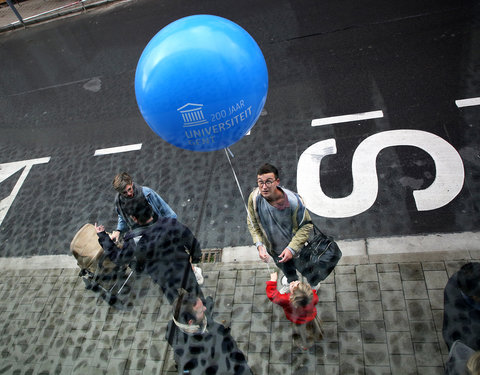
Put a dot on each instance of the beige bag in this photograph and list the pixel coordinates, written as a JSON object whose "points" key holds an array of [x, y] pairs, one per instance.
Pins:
{"points": [[87, 250]]}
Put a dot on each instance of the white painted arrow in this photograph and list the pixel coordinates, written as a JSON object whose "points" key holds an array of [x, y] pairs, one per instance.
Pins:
{"points": [[8, 169]]}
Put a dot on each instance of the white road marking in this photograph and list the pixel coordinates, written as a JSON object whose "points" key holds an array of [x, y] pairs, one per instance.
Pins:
{"points": [[119, 149], [467, 102], [449, 179], [8, 169], [347, 118]]}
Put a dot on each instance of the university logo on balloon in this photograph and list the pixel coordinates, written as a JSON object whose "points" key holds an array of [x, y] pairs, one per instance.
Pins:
{"points": [[201, 83]]}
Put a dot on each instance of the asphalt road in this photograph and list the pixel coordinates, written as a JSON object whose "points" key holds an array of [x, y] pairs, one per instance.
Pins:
{"points": [[67, 90]]}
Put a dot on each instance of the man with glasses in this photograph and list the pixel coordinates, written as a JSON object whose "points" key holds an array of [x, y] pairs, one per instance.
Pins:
{"points": [[278, 222], [127, 190]]}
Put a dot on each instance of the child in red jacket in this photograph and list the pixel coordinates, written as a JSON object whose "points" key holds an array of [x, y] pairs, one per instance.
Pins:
{"points": [[299, 308]]}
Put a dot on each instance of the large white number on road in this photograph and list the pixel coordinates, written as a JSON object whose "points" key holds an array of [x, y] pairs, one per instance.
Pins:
{"points": [[8, 169], [448, 181]]}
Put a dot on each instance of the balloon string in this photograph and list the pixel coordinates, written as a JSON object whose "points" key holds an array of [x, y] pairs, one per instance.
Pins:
{"points": [[228, 151], [238, 183]]}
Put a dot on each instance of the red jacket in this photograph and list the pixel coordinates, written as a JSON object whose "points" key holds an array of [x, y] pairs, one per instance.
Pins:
{"points": [[300, 315]]}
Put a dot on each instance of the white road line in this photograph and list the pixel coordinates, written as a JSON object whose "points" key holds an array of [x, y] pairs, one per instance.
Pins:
{"points": [[467, 102], [116, 150], [347, 118]]}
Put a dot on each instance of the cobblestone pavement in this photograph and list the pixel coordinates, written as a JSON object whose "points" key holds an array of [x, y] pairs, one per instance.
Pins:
{"points": [[383, 318]]}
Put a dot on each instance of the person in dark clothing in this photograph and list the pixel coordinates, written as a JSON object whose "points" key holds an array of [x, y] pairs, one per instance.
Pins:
{"points": [[159, 246], [458, 358], [461, 319], [201, 345]]}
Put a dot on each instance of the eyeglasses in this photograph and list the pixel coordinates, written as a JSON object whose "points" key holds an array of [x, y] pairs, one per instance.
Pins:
{"points": [[269, 182]]}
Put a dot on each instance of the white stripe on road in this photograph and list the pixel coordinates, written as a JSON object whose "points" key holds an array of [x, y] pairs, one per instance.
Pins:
{"points": [[467, 102], [116, 150], [347, 118]]}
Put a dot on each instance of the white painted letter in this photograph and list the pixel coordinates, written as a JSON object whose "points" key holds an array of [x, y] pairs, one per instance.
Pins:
{"points": [[448, 181]]}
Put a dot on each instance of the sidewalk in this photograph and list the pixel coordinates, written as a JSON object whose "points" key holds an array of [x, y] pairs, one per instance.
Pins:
{"points": [[378, 318], [35, 11]]}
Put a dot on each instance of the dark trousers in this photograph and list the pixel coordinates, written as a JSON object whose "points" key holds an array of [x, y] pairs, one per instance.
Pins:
{"points": [[288, 268], [183, 277]]}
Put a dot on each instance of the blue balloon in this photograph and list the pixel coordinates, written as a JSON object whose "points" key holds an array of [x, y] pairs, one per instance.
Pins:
{"points": [[201, 83]]}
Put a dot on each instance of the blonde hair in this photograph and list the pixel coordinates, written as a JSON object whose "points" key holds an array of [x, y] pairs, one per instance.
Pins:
{"points": [[301, 296], [473, 364]]}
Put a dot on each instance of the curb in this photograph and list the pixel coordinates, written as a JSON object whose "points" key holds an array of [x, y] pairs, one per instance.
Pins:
{"points": [[439, 247], [47, 17]]}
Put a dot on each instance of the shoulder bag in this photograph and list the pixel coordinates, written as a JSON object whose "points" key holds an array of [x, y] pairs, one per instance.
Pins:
{"points": [[318, 257]]}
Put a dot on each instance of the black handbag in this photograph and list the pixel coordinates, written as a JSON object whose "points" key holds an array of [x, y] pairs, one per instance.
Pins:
{"points": [[318, 257]]}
